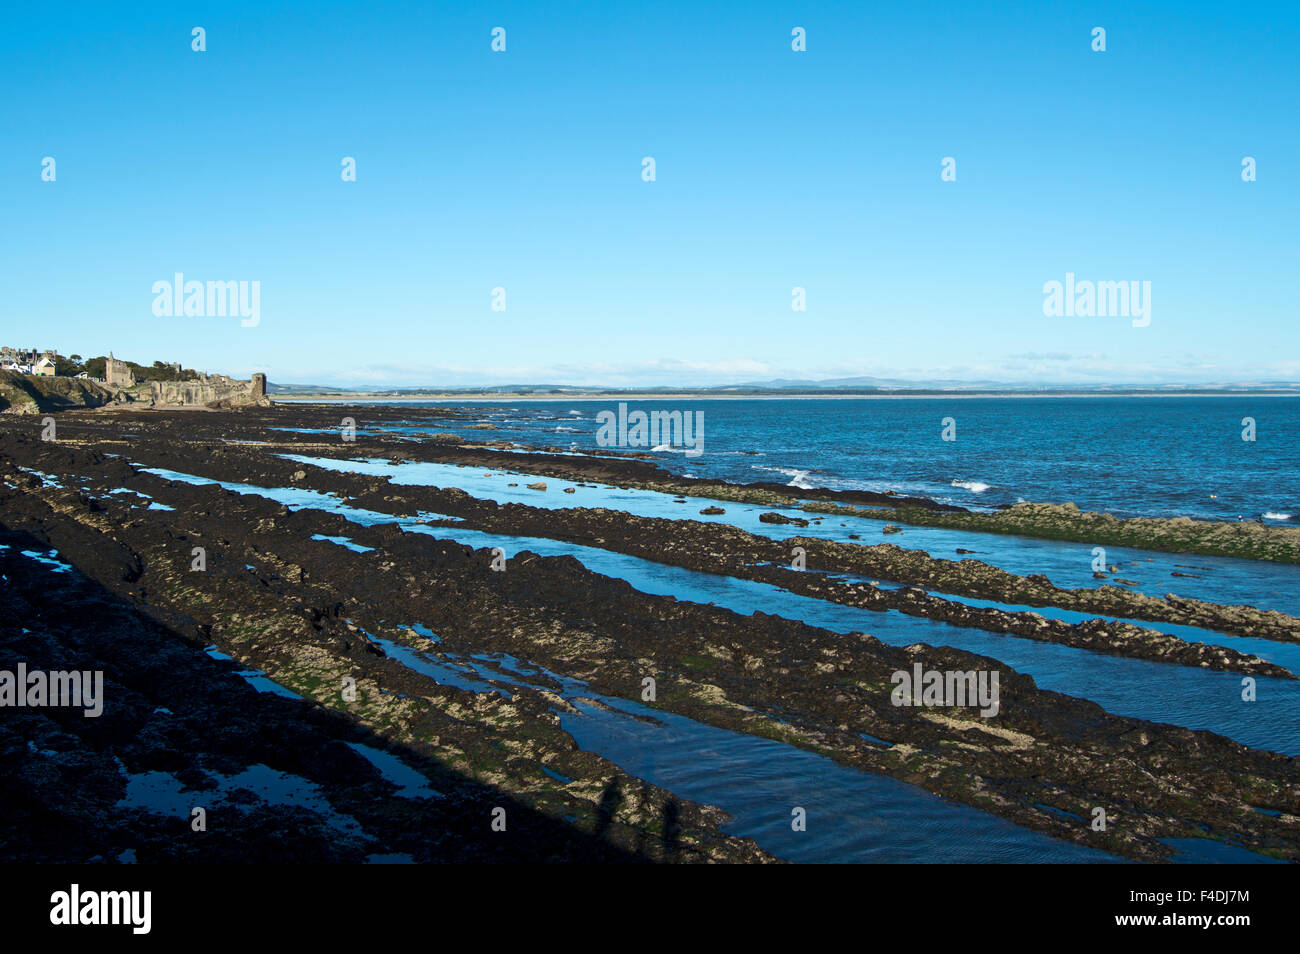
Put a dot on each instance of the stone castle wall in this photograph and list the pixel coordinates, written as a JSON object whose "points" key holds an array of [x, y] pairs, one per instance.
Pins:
{"points": [[118, 374], [210, 389]]}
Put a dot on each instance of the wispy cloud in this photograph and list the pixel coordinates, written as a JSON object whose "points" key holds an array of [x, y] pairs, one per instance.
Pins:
{"points": [[1043, 368]]}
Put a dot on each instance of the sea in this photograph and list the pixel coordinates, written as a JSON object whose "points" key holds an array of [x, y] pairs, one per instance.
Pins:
{"points": [[1222, 458], [1225, 458]]}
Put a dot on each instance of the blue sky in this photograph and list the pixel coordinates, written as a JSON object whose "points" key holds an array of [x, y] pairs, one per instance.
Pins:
{"points": [[775, 169]]}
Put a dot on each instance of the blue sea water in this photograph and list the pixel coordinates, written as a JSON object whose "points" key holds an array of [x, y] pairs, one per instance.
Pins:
{"points": [[1148, 456], [1265, 585], [734, 777], [1188, 696], [1128, 456]]}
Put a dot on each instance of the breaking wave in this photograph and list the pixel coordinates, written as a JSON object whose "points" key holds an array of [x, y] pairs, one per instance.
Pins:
{"points": [[798, 478]]}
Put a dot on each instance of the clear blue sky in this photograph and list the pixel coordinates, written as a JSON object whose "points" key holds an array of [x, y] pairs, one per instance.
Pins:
{"points": [[775, 169]]}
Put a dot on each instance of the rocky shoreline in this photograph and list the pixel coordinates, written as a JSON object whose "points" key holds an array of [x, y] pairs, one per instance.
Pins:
{"points": [[279, 597]]}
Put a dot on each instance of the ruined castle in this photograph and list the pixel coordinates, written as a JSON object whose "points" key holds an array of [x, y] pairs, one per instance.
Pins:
{"points": [[118, 374], [209, 390]]}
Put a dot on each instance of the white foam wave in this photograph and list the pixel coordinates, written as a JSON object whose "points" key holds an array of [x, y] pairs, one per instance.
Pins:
{"points": [[798, 478], [974, 486]]}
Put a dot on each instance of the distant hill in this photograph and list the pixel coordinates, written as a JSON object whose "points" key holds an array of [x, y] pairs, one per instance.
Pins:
{"points": [[272, 388], [777, 387]]}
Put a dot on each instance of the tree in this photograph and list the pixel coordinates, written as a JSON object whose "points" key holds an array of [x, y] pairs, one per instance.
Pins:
{"points": [[67, 367]]}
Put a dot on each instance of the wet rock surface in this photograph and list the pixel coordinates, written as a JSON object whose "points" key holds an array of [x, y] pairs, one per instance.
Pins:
{"points": [[181, 730], [1245, 539], [278, 779], [311, 613]]}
